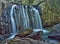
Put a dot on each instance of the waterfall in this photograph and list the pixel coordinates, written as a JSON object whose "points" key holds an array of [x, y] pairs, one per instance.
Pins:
{"points": [[24, 16], [27, 17]]}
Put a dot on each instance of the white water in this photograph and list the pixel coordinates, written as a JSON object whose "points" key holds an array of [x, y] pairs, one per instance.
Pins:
{"points": [[27, 17], [14, 31], [24, 17], [36, 19], [36, 16]]}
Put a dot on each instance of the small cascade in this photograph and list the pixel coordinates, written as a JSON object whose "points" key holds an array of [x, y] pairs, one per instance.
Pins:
{"points": [[37, 23], [14, 30], [36, 20]]}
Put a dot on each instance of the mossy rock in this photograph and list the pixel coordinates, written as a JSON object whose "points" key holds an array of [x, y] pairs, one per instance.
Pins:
{"points": [[25, 32]]}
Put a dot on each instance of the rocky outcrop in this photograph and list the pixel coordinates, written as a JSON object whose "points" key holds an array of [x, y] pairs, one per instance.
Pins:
{"points": [[55, 33]]}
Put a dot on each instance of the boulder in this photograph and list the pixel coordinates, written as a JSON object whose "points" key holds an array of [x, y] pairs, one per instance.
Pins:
{"points": [[35, 35], [55, 33]]}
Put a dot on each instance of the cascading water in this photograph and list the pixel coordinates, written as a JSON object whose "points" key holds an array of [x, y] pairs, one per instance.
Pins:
{"points": [[26, 17], [31, 18], [36, 19], [13, 22]]}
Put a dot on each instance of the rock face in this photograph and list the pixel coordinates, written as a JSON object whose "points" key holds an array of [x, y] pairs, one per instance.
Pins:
{"points": [[55, 33]]}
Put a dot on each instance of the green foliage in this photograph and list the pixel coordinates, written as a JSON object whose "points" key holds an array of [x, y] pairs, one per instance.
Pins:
{"points": [[51, 12], [28, 2]]}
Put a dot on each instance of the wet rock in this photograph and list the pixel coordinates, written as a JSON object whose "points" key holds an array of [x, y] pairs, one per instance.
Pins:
{"points": [[25, 32], [55, 33], [35, 41], [25, 41], [35, 35], [30, 34]]}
